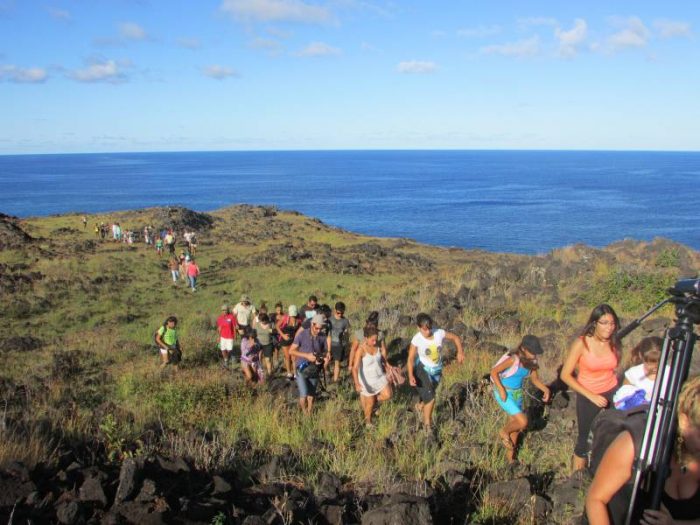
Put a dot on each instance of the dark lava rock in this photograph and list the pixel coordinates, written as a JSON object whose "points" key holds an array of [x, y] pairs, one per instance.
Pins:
{"points": [[332, 513], [401, 509], [143, 514], [25, 343], [514, 494], [11, 234], [91, 491], [180, 219], [328, 486], [68, 513], [128, 480], [567, 498]]}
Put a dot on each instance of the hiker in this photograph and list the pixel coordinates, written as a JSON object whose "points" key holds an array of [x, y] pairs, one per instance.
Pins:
{"points": [[595, 354], [340, 328], [274, 317], [358, 335], [250, 357], [97, 230], [84, 219], [312, 353], [159, 247], [169, 242], [609, 494], [174, 268], [103, 231], [507, 377], [146, 235], [425, 365], [192, 274], [192, 244], [368, 373], [287, 328], [638, 384], [310, 308], [244, 312], [226, 324], [264, 329], [262, 309], [169, 343]]}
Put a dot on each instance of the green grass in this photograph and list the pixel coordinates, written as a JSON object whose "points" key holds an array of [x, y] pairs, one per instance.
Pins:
{"points": [[103, 307]]}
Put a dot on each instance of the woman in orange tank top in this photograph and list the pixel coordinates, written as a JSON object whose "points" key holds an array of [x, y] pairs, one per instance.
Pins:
{"points": [[595, 356]]}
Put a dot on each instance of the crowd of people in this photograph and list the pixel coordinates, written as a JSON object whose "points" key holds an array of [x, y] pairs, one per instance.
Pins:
{"points": [[309, 343]]}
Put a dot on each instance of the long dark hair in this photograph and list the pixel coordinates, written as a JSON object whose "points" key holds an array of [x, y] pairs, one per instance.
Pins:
{"points": [[525, 362], [598, 312]]}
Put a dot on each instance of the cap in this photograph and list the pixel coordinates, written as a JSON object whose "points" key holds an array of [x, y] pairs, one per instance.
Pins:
{"points": [[245, 298], [292, 310], [532, 343], [318, 320], [224, 307]]}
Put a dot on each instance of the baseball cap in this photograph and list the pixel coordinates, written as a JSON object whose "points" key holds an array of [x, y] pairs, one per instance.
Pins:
{"points": [[532, 343], [224, 307], [318, 320]]}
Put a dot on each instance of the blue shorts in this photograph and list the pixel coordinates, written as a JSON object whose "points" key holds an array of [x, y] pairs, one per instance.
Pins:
{"points": [[307, 386], [513, 404]]}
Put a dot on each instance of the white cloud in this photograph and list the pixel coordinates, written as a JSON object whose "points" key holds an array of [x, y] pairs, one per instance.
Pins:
{"points": [[632, 33], [108, 71], [266, 44], [479, 31], [189, 43], [277, 11], [673, 28], [218, 72], [417, 67], [132, 31], [319, 49], [526, 23], [19, 75], [571, 39], [60, 14], [522, 48]]}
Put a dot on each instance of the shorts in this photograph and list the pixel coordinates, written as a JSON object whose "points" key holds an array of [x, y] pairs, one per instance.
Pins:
{"points": [[226, 345], [307, 386], [426, 383], [513, 404], [267, 350], [338, 351]]}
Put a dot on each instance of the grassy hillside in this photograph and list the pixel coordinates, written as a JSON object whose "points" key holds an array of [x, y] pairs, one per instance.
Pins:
{"points": [[80, 372]]}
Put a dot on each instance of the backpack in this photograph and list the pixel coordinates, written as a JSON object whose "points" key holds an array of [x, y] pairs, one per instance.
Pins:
{"points": [[607, 425], [510, 370]]}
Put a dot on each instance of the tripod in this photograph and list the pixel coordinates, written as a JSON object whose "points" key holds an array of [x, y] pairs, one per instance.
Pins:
{"points": [[651, 467]]}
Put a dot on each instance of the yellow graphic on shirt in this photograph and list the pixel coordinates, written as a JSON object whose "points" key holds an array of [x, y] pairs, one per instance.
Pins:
{"points": [[432, 353]]}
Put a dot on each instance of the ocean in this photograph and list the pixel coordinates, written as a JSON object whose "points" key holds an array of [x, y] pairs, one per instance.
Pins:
{"points": [[527, 202]]}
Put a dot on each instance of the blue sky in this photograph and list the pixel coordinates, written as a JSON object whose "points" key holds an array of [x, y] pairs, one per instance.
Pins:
{"points": [[156, 75]]}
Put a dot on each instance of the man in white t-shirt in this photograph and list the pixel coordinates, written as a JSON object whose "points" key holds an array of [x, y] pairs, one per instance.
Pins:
{"points": [[244, 312]]}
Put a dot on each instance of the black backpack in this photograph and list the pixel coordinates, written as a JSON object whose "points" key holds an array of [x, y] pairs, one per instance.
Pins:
{"points": [[607, 425]]}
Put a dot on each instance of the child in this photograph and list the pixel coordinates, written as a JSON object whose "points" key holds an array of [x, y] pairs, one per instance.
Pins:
{"points": [[250, 357], [159, 247], [508, 375], [639, 379], [192, 273], [264, 329], [169, 343], [174, 270]]}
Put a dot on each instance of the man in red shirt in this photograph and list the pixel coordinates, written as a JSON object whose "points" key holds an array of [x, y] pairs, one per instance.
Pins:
{"points": [[226, 324]]}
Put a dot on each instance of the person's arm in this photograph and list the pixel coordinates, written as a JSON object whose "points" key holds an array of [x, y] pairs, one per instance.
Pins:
{"points": [[613, 472], [567, 375], [535, 378], [159, 339], [458, 343], [356, 370], [294, 351], [496, 376], [409, 364], [663, 517]]}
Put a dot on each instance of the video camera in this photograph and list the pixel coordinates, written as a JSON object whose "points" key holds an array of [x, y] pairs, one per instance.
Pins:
{"points": [[651, 467]]}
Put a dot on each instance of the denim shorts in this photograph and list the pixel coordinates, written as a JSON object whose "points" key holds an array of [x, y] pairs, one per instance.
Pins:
{"points": [[307, 386]]}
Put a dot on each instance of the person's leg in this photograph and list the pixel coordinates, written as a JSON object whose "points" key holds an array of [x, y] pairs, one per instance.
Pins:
{"points": [[303, 388], [163, 357], [585, 413], [385, 394], [509, 434], [367, 404], [288, 361], [247, 373], [268, 365], [336, 371], [428, 414]]}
